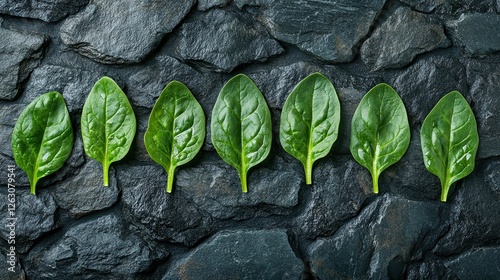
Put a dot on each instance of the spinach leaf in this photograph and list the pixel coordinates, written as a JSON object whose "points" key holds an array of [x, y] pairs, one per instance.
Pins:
{"points": [[380, 133], [310, 121], [450, 140], [241, 125], [42, 139], [108, 124], [176, 129]]}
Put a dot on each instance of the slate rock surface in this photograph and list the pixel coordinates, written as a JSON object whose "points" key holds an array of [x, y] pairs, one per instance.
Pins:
{"points": [[377, 243], [480, 263], [49, 11], [429, 270], [478, 32], [160, 215], [112, 32], [144, 91], [214, 187], [425, 6], [75, 228], [204, 5], [302, 23], [20, 53], [277, 83], [484, 79], [213, 40], [424, 83], [455, 7], [474, 218], [35, 216], [6, 274], [403, 36], [72, 82], [240, 254], [93, 249], [339, 189], [85, 193]]}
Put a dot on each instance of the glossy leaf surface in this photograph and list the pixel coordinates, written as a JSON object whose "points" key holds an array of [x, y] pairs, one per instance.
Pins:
{"points": [[450, 140], [108, 124], [310, 121], [42, 139], [380, 132], [176, 129], [241, 126]]}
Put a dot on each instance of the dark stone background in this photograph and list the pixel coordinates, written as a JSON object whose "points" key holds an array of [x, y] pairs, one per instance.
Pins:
{"points": [[282, 229]]}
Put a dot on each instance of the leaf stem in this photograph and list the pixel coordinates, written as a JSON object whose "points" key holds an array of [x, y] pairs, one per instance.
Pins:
{"points": [[33, 186], [375, 176], [445, 187], [105, 170], [170, 178], [308, 172], [243, 178], [444, 195]]}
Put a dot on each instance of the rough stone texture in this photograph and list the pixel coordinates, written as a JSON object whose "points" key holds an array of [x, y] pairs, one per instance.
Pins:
{"points": [[478, 32], [377, 243], [340, 188], [111, 31], [161, 215], [6, 274], [74, 228], [204, 5], [215, 187], [302, 23], [50, 11], [73, 83], [277, 83], [403, 36], [429, 270], [144, 92], [212, 40], [20, 53], [481, 263], [484, 80], [219, 258], [34, 217], [85, 193], [424, 5], [475, 214], [91, 250], [451, 6], [422, 85]]}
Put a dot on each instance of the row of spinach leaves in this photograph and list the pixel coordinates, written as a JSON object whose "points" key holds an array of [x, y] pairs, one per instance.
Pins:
{"points": [[241, 130]]}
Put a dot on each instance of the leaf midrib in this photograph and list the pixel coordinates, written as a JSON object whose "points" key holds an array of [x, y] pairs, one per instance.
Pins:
{"points": [[105, 111], [310, 144], [242, 160], [172, 127], [35, 171], [447, 166]]}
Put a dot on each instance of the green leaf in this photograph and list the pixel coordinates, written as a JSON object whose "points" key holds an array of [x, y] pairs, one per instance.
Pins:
{"points": [[241, 126], [108, 124], [42, 139], [380, 133], [310, 121], [450, 140], [176, 129]]}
